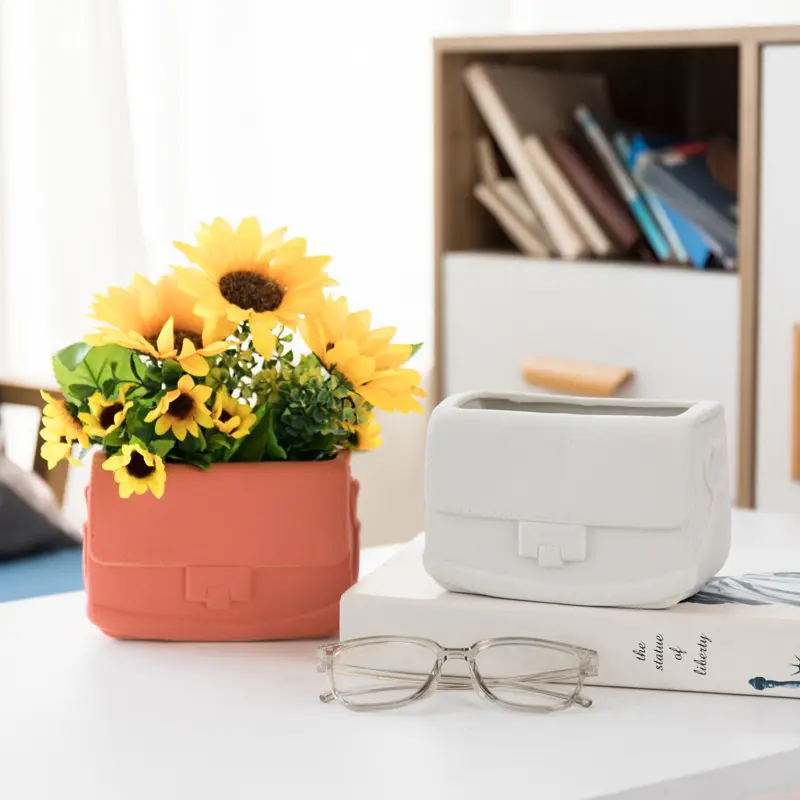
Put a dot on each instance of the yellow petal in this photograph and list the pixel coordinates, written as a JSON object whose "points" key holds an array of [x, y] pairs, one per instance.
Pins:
{"points": [[341, 353], [115, 462], [195, 365], [162, 426], [263, 338], [179, 429], [185, 384], [202, 393], [271, 242], [249, 235], [166, 339], [126, 490], [359, 369]]}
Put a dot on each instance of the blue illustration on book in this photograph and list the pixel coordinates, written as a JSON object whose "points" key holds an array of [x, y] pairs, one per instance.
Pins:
{"points": [[760, 684], [758, 589]]}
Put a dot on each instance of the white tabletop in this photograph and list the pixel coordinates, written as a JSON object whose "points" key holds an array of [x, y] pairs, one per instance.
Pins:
{"points": [[84, 716]]}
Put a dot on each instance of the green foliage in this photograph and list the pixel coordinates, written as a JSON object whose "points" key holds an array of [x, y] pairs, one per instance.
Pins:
{"points": [[303, 411], [311, 409], [82, 370]]}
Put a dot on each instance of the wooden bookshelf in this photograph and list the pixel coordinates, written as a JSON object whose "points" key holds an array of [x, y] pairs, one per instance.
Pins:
{"points": [[695, 83]]}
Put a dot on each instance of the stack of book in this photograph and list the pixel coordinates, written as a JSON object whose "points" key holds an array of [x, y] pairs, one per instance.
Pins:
{"points": [[564, 179]]}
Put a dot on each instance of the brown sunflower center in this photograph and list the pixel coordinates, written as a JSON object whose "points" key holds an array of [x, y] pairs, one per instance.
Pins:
{"points": [[224, 416], [181, 406], [251, 290], [107, 415], [195, 338], [138, 467]]}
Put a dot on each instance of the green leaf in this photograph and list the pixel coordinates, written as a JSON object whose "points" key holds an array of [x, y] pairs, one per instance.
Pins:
{"points": [[274, 451], [116, 438], [80, 391], [82, 365], [171, 371], [110, 388], [254, 445], [415, 348], [161, 447], [70, 357]]}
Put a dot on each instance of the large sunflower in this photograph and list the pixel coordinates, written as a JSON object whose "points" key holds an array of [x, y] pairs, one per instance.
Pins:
{"points": [[343, 342], [159, 320], [60, 431], [248, 277], [182, 410], [137, 470]]}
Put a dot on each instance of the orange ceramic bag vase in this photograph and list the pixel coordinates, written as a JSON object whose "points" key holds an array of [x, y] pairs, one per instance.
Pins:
{"points": [[240, 552]]}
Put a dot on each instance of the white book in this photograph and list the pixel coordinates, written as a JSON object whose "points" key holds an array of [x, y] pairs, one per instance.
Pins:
{"points": [[508, 190], [519, 233], [570, 201], [512, 195], [488, 85], [743, 639]]}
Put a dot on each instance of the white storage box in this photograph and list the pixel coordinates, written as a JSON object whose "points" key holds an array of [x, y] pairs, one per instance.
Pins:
{"points": [[580, 501]]}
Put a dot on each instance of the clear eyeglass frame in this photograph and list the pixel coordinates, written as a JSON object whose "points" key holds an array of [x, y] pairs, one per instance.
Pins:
{"points": [[559, 689]]}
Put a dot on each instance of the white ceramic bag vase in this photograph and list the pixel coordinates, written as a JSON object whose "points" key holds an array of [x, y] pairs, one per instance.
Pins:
{"points": [[579, 501]]}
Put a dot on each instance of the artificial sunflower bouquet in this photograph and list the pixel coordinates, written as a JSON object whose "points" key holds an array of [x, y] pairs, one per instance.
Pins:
{"points": [[201, 367]]}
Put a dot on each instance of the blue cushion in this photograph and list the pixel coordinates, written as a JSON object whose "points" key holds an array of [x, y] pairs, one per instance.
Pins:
{"points": [[48, 573]]}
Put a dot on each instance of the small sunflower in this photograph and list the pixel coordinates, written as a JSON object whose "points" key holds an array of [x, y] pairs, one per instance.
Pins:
{"points": [[367, 434], [231, 416], [343, 342], [137, 470], [60, 431], [159, 320], [104, 415], [245, 276], [182, 410], [56, 448]]}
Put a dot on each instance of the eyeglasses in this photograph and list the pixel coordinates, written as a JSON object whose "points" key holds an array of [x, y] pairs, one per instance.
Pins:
{"points": [[383, 672]]}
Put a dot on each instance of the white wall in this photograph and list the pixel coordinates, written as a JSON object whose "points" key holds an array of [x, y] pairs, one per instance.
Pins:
{"points": [[466, 17]]}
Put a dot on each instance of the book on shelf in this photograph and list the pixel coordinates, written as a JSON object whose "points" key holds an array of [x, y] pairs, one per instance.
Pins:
{"points": [[603, 202], [565, 194], [622, 143], [599, 137], [738, 635], [501, 195], [494, 172], [516, 230], [691, 237], [680, 175], [518, 102]]}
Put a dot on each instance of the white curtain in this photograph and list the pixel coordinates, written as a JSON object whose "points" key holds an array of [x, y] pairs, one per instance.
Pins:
{"points": [[124, 123]]}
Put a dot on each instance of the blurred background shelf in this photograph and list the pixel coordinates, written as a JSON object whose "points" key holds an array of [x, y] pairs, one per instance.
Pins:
{"points": [[684, 333]]}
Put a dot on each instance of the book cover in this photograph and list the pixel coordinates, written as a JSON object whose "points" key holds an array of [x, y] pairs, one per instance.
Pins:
{"points": [[602, 201], [627, 188], [739, 635], [691, 238], [680, 176], [519, 101], [565, 194]]}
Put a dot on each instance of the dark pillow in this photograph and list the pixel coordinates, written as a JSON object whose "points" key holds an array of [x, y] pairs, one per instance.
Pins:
{"points": [[30, 519]]}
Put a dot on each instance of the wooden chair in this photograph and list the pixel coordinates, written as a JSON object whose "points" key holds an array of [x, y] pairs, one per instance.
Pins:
{"points": [[17, 394]]}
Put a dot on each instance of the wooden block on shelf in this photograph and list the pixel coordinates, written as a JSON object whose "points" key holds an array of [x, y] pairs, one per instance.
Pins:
{"points": [[573, 377]]}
